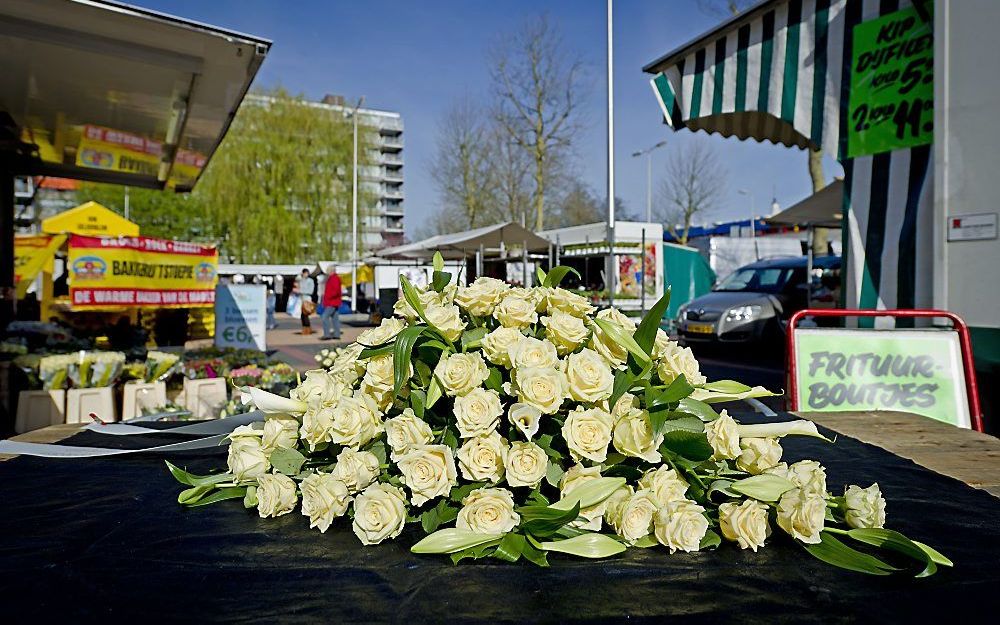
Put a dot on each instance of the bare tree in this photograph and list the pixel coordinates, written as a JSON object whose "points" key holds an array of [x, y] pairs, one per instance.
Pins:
{"points": [[510, 171], [537, 86], [461, 167], [694, 185]]}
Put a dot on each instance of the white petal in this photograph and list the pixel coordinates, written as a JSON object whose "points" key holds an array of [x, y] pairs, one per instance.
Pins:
{"points": [[269, 403]]}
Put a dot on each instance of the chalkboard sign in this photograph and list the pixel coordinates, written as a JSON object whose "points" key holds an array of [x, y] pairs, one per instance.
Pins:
{"points": [[892, 84], [917, 371]]}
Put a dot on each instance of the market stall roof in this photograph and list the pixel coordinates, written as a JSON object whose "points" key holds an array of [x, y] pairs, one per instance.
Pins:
{"points": [[823, 208], [116, 93], [90, 219], [461, 244]]}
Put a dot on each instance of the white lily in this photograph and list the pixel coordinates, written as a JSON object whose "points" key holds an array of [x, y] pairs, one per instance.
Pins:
{"points": [[777, 430], [713, 397], [269, 403], [525, 418]]}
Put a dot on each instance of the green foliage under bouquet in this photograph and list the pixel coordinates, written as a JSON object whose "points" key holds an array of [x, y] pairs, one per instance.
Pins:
{"points": [[515, 422]]}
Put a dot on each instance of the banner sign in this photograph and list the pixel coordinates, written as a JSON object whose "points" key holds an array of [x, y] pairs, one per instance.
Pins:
{"points": [[116, 150], [129, 272], [892, 84], [32, 254], [916, 371], [241, 316]]}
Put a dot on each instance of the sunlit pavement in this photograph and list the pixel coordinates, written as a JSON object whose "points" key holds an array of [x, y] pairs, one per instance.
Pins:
{"points": [[297, 349]]}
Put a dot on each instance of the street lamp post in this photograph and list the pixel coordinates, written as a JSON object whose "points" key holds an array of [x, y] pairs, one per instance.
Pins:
{"points": [[354, 212], [611, 266], [753, 219], [648, 153]]}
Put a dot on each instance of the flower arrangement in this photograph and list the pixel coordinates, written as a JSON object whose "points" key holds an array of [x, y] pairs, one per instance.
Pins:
{"points": [[248, 375], [204, 368], [279, 373], [516, 422], [160, 365], [90, 369]]}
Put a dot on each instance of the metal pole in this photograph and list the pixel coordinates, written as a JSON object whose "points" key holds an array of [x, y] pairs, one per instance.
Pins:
{"points": [[611, 264], [480, 261], [642, 281], [753, 228], [557, 249], [354, 213], [810, 234], [524, 279], [649, 187], [127, 212]]}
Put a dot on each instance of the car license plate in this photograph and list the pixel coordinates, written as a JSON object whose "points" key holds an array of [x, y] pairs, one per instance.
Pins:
{"points": [[700, 328]]}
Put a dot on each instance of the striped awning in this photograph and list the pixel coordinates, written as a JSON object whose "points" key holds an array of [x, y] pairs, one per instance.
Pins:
{"points": [[779, 72]]}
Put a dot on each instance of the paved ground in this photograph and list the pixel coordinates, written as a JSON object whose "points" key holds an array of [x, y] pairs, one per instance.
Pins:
{"points": [[298, 350]]}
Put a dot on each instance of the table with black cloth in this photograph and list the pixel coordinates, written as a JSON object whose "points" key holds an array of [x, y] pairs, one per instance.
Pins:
{"points": [[105, 540]]}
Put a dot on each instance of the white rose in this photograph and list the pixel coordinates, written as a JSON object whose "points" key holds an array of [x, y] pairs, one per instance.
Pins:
{"points": [[661, 344], [488, 511], [575, 476], [665, 484], [247, 459], [428, 471], [379, 513], [379, 371], [542, 387], [317, 427], [588, 433], [348, 366], [589, 376], [808, 475], [568, 302], [460, 373], [724, 437], [426, 297], [801, 513], [615, 504], [533, 353], [405, 432], [676, 360], [355, 421], [478, 412], [280, 431], [680, 525], [276, 495], [612, 351], [626, 406], [525, 418], [635, 519], [745, 523], [356, 469], [633, 436], [481, 459], [865, 506], [381, 395], [758, 455], [526, 464], [385, 332], [497, 344], [565, 331], [446, 319], [319, 389], [515, 312], [480, 297], [324, 498]]}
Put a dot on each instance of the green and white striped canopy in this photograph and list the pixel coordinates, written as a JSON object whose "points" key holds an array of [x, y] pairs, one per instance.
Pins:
{"points": [[780, 72]]}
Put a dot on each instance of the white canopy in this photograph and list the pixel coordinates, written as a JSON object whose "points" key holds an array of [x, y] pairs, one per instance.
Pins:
{"points": [[462, 244]]}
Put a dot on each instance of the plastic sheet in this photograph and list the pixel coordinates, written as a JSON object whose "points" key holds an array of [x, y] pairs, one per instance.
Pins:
{"points": [[103, 539]]}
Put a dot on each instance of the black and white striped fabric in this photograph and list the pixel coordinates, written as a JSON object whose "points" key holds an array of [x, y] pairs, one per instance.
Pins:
{"points": [[781, 74]]}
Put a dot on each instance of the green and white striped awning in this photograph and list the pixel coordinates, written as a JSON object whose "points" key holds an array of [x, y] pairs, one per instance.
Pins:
{"points": [[779, 72]]}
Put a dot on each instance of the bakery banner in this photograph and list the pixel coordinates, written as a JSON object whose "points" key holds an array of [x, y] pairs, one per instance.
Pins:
{"points": [[131, 272]]}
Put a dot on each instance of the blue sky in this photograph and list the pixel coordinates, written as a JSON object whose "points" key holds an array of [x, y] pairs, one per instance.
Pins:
{"points": [[417, 57]]}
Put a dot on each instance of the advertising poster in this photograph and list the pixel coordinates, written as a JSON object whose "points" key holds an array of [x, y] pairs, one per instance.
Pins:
{"points": [[630, 273], [241, 316], [112, 273]]}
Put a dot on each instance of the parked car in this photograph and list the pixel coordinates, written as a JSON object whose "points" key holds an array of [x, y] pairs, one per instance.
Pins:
{"points": [[754, 303]]}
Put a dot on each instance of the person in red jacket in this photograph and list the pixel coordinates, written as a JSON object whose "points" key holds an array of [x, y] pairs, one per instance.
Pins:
{"points": [[332, 298]]}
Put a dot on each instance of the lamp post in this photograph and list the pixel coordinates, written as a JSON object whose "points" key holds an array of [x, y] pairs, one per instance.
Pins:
{"points": [[611, 265], [354, 211], [648, 153], [753, 218]]}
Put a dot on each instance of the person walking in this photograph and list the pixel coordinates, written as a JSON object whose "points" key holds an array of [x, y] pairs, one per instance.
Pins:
{"points": [[332, 298], [304, 287]]}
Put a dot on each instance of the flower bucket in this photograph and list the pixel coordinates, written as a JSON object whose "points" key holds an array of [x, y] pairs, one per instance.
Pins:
{"points": [[39, 409], [81, 402], [140, 395], [205, 398]]}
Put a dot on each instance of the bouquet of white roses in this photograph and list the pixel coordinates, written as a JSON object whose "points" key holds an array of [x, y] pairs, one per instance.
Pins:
{"points": [[514, 422], [53, 371], [91, 369], [160, 365]]}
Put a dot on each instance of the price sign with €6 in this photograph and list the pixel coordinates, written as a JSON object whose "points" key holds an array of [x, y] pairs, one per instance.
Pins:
{"points": [[240, 316], [892, 84]]}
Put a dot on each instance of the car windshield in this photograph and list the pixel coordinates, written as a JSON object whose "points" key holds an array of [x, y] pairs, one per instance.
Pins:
{"points": [[766, 280]]}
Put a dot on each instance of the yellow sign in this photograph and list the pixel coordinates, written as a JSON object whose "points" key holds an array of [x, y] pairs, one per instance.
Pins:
{"points": [[90, 219], [115, 150], [131, 272], [32, 254]]}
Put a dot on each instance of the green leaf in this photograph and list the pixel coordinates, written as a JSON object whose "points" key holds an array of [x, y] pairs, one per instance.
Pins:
{"points": [[473, 338], [646, 542], [690, 445], [895, 541], [433, 392], [677, 390], [233, 492], [250, 499], [401, 355], [543, 521], [189, 496], [191, 479], [418, 399], [477, 552], [511, 547], [555, 276], [688, 424], [461, 492], [438, 515], [553, 474], [726, 386], [411, 297], [378, 448], [532, 553], [645, 334], [722, 487], [540, 275], [439, 280], [590, 493], [452, 539], [936, 556], [763, 487], [494, 381], [617, 334], [438, 261], [450, 439], [623, 382], [592, 545], [371, 352], [710, 540], [834, 552], [697, 408], [287, 461]]}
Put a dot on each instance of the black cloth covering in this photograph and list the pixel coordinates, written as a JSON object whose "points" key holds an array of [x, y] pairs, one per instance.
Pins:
{"points": [[104, 540]]}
